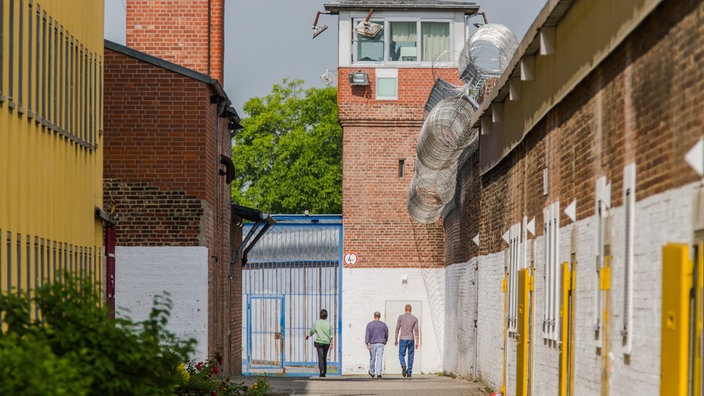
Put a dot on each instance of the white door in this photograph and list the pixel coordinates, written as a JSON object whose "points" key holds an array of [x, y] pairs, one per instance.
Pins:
{"points": [[392, 310]]}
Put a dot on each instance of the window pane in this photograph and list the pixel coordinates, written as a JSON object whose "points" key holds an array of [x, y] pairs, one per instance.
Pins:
{"points": [[435, 41], [403, 41], [386, 87], [370, 49]]}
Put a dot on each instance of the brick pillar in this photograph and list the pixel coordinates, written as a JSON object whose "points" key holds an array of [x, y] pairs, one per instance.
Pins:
{"points": [[178, 31]]}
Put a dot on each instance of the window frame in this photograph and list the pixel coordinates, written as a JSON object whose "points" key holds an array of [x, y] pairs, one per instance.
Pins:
{"points": [[386, 74], [385, 22]]}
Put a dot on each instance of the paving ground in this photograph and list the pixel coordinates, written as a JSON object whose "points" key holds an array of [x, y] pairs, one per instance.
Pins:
{"points": [[394, 385]]}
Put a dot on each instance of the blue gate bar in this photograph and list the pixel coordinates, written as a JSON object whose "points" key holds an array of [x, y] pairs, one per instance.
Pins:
{"points": [[299, 263]]}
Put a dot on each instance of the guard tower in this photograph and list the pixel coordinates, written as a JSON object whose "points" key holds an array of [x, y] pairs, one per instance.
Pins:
{"points": [[390, 54]]}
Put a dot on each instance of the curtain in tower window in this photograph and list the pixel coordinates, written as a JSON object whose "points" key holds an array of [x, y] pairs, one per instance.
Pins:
{"points": [[402, 35], [435, 41]]}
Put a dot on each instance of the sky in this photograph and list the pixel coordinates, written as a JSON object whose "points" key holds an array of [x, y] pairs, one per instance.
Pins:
{"points": [[269, 40]]}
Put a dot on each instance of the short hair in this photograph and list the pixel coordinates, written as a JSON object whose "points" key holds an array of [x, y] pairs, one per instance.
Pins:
{"points": [[408, 308], [377, 314], [323, 314]]}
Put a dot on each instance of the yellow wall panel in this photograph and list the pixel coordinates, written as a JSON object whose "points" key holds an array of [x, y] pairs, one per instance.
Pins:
{"points": [[50, 132]]}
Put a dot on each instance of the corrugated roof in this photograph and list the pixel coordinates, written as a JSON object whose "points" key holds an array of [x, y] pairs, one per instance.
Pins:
{"points": [[441, 90]]}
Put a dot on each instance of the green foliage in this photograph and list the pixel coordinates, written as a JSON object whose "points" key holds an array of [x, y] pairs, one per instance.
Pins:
{"points": [[288, 157], [76, 349], [30, 368], [259, 388], [203, 380]]}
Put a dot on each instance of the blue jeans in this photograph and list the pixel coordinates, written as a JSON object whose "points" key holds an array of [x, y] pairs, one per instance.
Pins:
{"points": [[402, 346], [376, 359]]}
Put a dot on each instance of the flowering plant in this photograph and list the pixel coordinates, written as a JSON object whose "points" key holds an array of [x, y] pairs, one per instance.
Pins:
{"points": [[202, 379]]}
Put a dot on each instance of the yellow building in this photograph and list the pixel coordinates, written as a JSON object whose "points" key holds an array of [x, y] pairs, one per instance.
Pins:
{"points": [[51, 155]]}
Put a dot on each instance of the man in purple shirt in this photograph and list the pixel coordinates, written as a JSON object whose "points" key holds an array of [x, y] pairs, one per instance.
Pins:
{"points": [[406, 334], [375, 337]]}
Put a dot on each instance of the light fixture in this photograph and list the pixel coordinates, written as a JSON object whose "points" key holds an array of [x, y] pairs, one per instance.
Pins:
{"points": [[327, 79], [366, 28], [318, 29], [359, 78]]}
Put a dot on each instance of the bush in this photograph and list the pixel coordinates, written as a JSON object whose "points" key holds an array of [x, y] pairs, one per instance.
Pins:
{"points": [[29, 367], [203, 379], [75, 349]]}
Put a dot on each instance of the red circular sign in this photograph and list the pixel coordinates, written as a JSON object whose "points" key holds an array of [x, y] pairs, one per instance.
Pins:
{"points": [[351, 258]]}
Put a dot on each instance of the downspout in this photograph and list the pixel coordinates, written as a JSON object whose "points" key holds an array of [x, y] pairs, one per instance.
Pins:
{"points": [[476, 318], [210, 28], [218, 206]]}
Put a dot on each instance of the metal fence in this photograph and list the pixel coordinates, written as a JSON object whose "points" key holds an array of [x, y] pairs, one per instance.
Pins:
{"points": [[292, 273]]}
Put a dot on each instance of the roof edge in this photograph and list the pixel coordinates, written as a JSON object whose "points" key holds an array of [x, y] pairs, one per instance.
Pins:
{"points": [[164, 64]]}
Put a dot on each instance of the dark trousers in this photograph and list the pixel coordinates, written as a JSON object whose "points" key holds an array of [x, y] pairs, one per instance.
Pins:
{"points": [[322, 356]]}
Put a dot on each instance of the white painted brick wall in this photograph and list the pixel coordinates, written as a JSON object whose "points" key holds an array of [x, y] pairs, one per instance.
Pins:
{"points": [[490, 320], [459, 325], [143, 272], [660, 219], [365, 290]]}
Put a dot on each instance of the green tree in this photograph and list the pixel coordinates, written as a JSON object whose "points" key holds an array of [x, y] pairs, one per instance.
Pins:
{"points": [[288, 156]]}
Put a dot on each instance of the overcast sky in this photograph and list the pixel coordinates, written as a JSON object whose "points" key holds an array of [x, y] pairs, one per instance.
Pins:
{"points": [[269, 40]]}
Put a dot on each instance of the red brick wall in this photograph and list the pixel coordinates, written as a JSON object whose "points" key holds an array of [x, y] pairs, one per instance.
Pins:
{"points": [[235, 289], [156, 127], [642, 104], [462, 220], [178, 31], [162, 142], [376, 134]]}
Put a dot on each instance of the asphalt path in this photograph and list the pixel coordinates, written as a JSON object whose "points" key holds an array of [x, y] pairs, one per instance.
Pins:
{"points": [[394, 385]]}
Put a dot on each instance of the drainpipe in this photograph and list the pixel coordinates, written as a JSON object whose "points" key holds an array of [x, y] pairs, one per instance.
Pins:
{"points": [[476, 318], [218, 205], [210, 32]]}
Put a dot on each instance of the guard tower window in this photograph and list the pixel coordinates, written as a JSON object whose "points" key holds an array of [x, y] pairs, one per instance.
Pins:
{"points": [[405, 41], [370, 49], [435, 41], [404, 44]]}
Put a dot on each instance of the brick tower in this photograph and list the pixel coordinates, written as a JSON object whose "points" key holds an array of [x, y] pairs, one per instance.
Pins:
{"points": [[384, 80]]}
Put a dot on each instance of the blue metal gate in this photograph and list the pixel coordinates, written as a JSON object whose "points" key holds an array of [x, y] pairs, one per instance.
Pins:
{"points": [[265, 339], [292, 273]]}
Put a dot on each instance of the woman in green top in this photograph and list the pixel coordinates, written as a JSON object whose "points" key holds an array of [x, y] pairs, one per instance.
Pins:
{"points": [[323, 338]]}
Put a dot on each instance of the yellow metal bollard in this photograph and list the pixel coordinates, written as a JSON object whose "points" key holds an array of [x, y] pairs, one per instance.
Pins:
{"points": [[674, 340], [698, 313], [564, 327], [523, 336], [504, 286]]}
